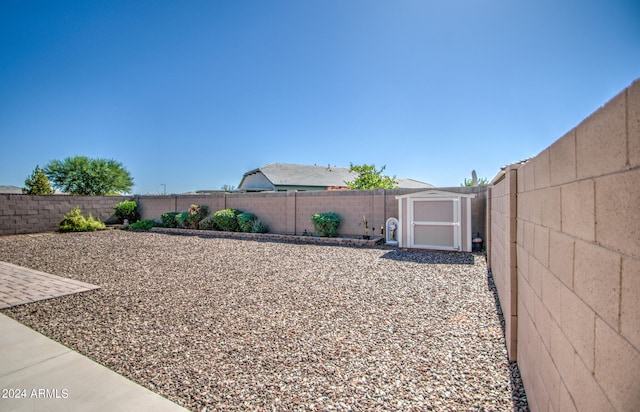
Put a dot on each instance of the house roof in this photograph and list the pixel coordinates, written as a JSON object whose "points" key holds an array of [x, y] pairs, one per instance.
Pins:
{"points": [[10, 189], [287, 174], [412, 184]]}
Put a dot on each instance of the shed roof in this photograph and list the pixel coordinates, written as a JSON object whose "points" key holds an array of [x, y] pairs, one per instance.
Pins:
{"points": [[435, 194]]}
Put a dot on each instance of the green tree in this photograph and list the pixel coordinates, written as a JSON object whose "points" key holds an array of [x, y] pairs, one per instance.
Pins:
{"points": [[37, 183], [474, 181], [370, 178], [80, 175]]}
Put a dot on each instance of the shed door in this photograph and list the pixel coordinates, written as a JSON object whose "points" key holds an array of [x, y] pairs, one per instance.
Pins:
{"points": [[434, 223]]}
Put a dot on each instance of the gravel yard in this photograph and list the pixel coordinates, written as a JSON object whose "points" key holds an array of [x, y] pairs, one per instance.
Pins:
{"points": [[222, 324]]}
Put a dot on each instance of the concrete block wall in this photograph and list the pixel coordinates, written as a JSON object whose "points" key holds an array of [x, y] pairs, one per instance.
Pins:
{"points": [[154, 206], [350, 205], [478, 208], [578, 264], [502, 252], [271, 208], [290, 212], [283, 212], [21, 214]]}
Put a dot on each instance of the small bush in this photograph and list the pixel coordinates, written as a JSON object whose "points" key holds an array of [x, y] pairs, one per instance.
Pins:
{"points": [[127, 209], [227, 219], [208, 223], [169, 219], [144, 224], [196, 214], [246, 221], [182, 220], [326, 224], [259, 227], [75, 222]]}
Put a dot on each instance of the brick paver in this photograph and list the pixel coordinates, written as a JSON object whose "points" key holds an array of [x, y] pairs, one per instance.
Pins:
{"points": [[20, 285]]}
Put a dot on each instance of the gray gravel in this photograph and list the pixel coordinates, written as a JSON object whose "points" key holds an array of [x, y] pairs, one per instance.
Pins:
{"points": [[222, 324]]}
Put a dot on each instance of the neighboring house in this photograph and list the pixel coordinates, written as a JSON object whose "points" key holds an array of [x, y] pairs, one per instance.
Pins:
{"points": [[10, 189], [413, 184], [285, 176]]}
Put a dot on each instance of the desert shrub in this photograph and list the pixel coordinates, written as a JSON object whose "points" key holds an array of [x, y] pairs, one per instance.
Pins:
{"points": [[127, 209], [326, 224], [208, 223], [75, 222], [144, 224], [227, 219], [182, 219], [196, 214], [169, 219], [246, 221], [259, 227]]}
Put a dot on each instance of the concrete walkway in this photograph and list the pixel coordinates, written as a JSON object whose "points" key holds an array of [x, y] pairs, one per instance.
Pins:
{"points": [[38, 374]]}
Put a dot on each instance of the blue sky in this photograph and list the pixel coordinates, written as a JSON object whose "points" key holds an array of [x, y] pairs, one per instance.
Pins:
{"points": [[193, 94]]}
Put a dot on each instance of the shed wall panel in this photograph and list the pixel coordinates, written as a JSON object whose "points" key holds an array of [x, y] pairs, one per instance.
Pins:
{"points": [[439, 236], [433, 211]]}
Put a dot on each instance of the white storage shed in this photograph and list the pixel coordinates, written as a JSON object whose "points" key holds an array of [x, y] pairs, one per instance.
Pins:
{"points": [[435, 219]]}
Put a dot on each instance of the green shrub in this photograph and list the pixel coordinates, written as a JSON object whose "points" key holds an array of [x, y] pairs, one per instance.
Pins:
{"points": [[259, 227], [326, 224], [227, 219], [196, 214], [182, 220], [75, 222], [246, 221], [144, 224], [208, 223], [127, 209], [169, 219]]}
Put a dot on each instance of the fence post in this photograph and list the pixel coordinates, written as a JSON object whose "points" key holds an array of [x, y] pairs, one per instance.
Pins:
{"points": [[379, 212], [487, 229], [291, 210]]}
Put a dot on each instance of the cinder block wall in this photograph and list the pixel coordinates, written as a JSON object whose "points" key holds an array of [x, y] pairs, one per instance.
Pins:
{"points": [[350, 205], [32, 214], [478, 208], [283, 212], [290, 212], [271, 208], [502, 252], [286, 212], [578, 264]]}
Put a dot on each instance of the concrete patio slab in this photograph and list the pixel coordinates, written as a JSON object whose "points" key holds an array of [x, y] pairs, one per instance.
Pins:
{"points": [[38, 374]]}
